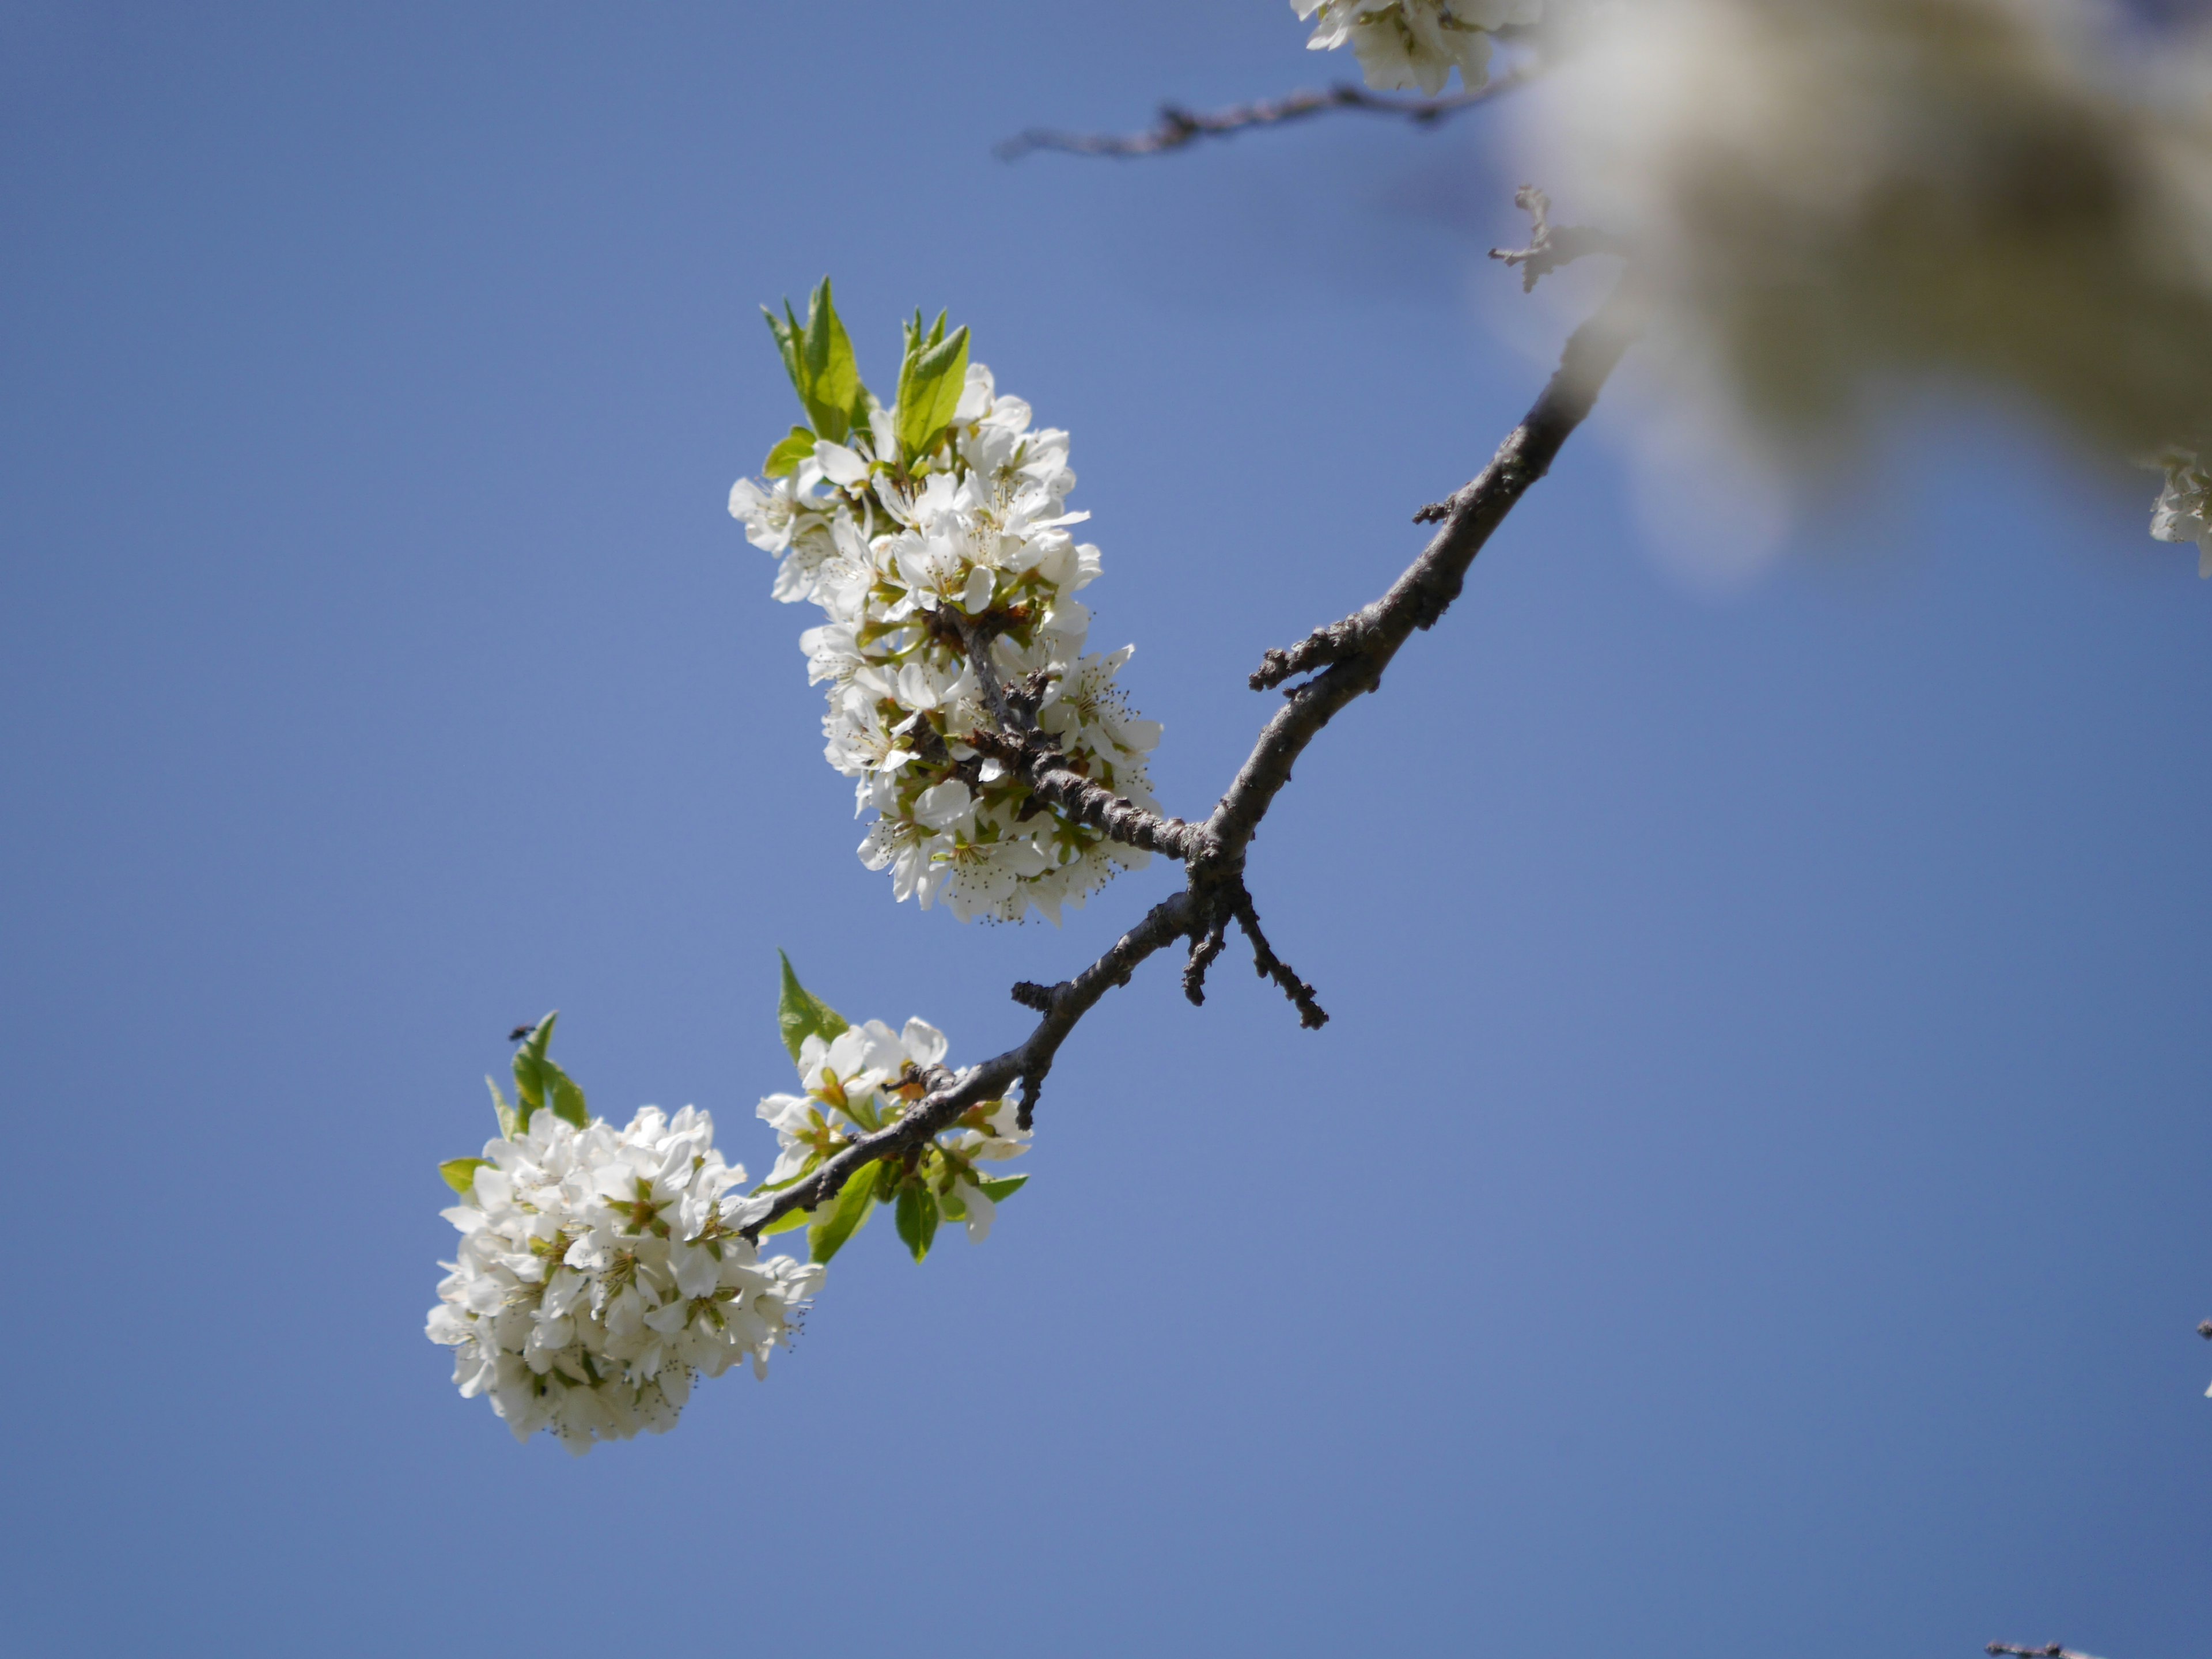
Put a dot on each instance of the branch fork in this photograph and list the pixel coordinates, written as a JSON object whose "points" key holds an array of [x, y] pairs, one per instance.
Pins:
{"points": [[1345, 658]]}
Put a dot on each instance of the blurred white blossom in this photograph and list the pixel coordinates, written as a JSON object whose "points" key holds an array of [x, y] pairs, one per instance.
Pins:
{"points": [[1414, 45], [1833, 201], [600, 1271]]}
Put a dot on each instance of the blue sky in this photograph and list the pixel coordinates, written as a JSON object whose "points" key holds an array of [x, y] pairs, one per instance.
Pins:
{"points": [[1750, 1198]]}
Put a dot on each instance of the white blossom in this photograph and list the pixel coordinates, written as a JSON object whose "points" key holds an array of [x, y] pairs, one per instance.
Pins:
{"points": [[600, 1271], [863, 1080], [2184, 510], [1407, 44], [900, 562]]}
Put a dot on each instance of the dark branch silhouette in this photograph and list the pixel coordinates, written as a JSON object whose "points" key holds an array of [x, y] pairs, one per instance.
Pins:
{"points": [[2051, 1651], [1179, 127]]}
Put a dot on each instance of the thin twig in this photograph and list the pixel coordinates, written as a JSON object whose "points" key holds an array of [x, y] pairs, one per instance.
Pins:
{"points": [[1179, 127], [1203, 947], [1270, 966], [2052, 1652], [1354, 653], [1551, 246]]}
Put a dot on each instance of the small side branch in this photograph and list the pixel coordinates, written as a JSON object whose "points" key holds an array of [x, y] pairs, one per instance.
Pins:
{"points": [[1179, 127], [2053, 1650], [1038, 761], [1205, 946], [1551, 246], [1270, 966], [1048, 774]]}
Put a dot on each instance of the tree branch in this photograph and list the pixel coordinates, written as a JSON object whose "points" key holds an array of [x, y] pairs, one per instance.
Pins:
{"points": [[2052, 1652], [1018, 745], [1551, 246], [1354, 653], [1179, 127]]}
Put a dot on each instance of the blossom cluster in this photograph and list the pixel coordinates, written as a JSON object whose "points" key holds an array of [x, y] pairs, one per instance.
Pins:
{"points": [[601, 1270], [923, 547], [2184, 509], [863, 1080], [1832, 202], [1404, 44]]}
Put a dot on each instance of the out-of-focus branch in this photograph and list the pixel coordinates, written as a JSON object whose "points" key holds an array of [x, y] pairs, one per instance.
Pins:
{"points": [[2051, 1651], [1352, 654], [1551, 246], [1179, 127]]}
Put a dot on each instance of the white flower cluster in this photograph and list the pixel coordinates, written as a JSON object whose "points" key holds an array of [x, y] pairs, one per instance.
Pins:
{"points": [[2184, 510], [600, 1270], [863, 1080], [902, 559], [1405, 44], [1830, 202]]}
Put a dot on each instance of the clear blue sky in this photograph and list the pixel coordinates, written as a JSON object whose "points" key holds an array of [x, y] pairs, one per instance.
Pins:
{"points": [[1752, 1197]]}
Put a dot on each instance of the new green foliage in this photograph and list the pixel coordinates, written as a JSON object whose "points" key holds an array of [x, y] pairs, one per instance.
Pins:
{"points": [[931, 379], [510, 1122], [799, 1014], [783, 460], [461, 1173], [916, 1217], [847, 1215], [818, 355], [539, 1082]]}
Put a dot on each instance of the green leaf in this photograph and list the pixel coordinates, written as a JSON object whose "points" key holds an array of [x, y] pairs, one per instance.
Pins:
{"points": [[786, 1222], [799, 1014], [787, 332], [461, 1173], [931, 380], [999, 1191], [847, 1215], [916, 1216], [566, 1098], [783, 460], [530, 1079], [510, 1125], [833, 394], [818, 355]]}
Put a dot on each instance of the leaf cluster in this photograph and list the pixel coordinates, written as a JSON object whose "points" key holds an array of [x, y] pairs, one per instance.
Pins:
{"points": [[818, 355], [539, 1084]]}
